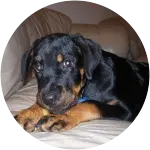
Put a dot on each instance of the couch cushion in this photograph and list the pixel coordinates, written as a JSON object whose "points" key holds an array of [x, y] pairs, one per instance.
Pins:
{"points": [[45, 22], [112, 39], [135, 44], [114, 35]]}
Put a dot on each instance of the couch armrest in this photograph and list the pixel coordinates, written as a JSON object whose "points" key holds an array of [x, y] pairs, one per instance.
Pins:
{"points": [[10, 68]]}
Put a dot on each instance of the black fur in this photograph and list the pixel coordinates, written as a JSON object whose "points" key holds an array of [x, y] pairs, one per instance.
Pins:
{"points": [[107, 77]]}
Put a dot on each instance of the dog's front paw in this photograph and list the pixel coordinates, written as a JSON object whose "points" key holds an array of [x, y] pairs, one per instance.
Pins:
{"points": [[25, 120], [28, 118], [56, 123]]}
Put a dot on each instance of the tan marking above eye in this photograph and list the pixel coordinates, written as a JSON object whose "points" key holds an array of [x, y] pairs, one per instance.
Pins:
{"points": [[59, 58], [76, 89], [81, 73]]}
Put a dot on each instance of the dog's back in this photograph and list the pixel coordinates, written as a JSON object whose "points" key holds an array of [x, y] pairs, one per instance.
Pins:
{"points": [[131, 82]]}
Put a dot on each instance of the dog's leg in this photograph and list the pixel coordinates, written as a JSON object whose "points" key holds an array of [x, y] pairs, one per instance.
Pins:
{"points": [[28, 118], [80, 113]]}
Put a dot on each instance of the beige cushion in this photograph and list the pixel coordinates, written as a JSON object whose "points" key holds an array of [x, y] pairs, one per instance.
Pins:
{"points": [[123, 28], [112, 39], [39, 24], [114, 35], [45, 22]]}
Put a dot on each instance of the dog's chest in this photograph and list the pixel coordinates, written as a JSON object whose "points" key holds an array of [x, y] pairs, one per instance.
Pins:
{"points": [[93, 92]]}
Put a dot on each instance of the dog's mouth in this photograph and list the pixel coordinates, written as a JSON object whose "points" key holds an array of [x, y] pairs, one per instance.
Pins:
{"points": [[67, 100]]}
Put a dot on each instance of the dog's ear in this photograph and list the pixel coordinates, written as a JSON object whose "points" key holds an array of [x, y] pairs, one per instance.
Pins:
{"points": [[26, 63], [90, 51]]}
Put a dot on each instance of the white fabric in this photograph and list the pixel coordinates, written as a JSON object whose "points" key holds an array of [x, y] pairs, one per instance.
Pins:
{"points": [[85, 135], [24, 98]]}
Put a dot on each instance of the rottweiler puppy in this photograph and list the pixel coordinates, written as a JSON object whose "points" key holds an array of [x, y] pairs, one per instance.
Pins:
{"points": [[69, 68]]}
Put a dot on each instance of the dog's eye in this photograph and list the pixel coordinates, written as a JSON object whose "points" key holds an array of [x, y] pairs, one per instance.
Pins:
{"points": [[67, 63], [38, 67]]}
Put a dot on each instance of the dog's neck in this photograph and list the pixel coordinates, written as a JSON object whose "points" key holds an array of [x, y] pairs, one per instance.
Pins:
{"points": [[80, 97]]}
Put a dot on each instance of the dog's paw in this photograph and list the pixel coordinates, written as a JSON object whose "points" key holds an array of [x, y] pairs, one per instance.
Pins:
{"points": [[27, 119], [26, 123], [55, 123]]}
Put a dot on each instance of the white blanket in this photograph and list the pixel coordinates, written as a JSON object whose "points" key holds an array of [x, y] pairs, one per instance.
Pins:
{"points": [[85, 135]]}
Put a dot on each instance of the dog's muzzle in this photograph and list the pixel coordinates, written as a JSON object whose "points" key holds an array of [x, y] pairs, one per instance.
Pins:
{"points": [[57, 100]]}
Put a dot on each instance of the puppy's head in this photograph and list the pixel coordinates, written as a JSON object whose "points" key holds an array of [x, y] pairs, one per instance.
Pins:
{"points": [[61, 62]]}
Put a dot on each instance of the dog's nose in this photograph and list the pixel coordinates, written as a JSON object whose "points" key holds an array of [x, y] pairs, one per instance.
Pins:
{"points": [[49, 97], [52, 96]]}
